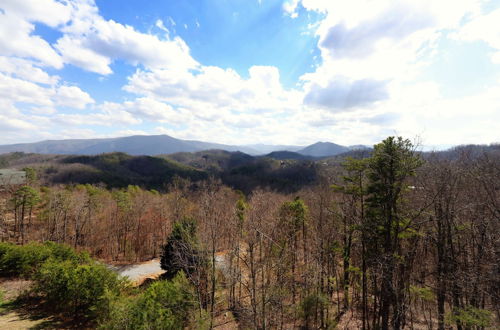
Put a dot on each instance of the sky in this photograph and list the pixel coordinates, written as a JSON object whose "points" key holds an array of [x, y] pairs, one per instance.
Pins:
{"points": [[251, 71]]}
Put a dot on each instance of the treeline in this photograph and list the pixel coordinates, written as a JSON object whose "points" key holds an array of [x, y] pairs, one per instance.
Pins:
{"points": [[389, 241]]}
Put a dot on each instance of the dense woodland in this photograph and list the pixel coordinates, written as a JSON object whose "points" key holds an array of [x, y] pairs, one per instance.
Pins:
{"points": [[394, 239]]}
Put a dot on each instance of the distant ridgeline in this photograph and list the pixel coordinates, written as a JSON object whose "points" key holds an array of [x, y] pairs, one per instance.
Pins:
{"points": [[283, 171], [152, 145]]}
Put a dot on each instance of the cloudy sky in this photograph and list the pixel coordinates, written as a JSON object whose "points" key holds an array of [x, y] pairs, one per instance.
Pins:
{"points": [[251, 71]]}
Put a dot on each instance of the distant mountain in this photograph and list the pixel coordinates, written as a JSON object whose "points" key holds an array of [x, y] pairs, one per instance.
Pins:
{"points": [[133, 145], [152, 145], [282, 155], [323, 149], [359, 147], [268, 148]]}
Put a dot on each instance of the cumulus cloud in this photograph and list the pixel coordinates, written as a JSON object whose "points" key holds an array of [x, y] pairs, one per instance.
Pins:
{"points": [[342, 94], [74, 52], [107, 117], [211, 93], [290, 8], [385, 119], [394, 24], [73, 97], [366, 85], [484, 28], [8, 124], [26, 70], [49, 12], [18, 90], [146, 108], [92, 43], [89, 41], [16, 39]]}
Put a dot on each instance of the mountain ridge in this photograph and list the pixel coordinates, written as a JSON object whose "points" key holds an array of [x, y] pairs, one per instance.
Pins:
{"points": [[151, 145]]}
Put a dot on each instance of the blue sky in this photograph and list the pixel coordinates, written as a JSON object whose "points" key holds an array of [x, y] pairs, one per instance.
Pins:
{"points": [[245, 71]]}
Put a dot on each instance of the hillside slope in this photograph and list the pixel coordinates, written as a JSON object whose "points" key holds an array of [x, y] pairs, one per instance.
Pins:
{"points": [[323, 149]]}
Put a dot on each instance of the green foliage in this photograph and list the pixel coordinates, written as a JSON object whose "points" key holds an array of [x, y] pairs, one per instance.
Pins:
{"points": [[310, 306], [392, 162], [353, 181], [241, 206], [470, 317], [24, 261], [31, 175], [182, 253], [295, 212], [26, 197], [164, 305], [422, 293], [81, 289], [123, 200]]}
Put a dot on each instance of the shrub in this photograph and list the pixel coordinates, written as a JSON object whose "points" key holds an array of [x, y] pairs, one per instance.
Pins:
{"points": [[310, 306], [470, 317], [81, 289], [25, 260], [166, 304]]}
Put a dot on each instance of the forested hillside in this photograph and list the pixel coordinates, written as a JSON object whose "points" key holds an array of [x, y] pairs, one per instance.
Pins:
{"points": [[390, 241]]}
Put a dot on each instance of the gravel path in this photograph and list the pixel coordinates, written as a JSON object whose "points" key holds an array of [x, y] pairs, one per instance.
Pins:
{"points": [[138, 272]]}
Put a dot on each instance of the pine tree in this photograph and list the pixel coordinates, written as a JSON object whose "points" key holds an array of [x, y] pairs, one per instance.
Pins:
{"points": [[393, 161]]}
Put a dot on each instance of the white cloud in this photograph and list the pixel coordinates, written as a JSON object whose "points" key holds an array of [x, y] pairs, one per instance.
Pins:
{"points": [[366, 86], [146, 108], [16, 39], [107, 117], [341, 94], [8, 124], [25, 69], [359, 41], [73, 97], [386, 41], [484, 28], [159, 24], [92, 43], [49, 12], [211, 92], [290, 8], [17, 90], [74, 52], [47, 110], [127, 132]]}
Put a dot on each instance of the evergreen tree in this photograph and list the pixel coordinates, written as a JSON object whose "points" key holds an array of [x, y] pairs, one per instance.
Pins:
{"points": [[394, 160], [182, 249]]}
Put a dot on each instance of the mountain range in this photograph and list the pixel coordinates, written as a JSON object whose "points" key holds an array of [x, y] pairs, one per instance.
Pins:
{"points": [[163, 144]]}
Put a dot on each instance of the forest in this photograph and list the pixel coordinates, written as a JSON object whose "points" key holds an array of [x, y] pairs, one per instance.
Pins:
{"points": [[387, 239]]}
